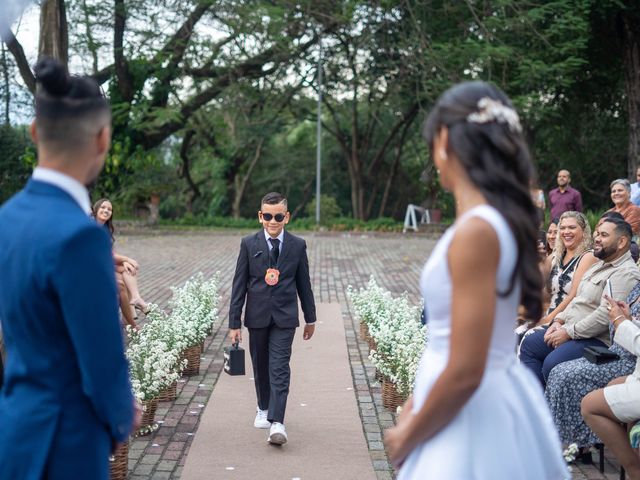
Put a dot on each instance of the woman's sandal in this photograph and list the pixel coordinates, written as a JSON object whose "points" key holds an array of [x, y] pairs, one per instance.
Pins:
{"points": [[138, 304]]}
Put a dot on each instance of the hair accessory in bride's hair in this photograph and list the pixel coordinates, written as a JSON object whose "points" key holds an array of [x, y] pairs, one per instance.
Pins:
{"points": [[490, 110]]}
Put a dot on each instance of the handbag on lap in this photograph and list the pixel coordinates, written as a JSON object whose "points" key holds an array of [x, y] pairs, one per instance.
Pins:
{"points": [[599, 355]]}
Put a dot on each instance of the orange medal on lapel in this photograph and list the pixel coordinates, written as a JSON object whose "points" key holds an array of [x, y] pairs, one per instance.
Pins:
{"points": [[272, 276]]}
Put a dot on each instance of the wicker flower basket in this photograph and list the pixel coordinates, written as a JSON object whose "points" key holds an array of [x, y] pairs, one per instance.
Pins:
{"points": [[170, 393], [148, 413], [372, 344], [192, 355], [119, 463], [391, 399], [364, 331]]}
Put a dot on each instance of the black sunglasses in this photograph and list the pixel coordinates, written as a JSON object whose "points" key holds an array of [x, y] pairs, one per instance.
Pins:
{"points": [[278, 216]]}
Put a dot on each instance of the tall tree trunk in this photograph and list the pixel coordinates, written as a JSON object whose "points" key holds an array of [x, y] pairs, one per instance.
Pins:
{"points": [[91, 43], [185, 169], [54, 33], [631, 63], [394, 170], [7, 85], [241, 182]]}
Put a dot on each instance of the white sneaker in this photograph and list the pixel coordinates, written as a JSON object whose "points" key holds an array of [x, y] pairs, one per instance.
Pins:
{"points": [[277, 434], [261, 419]]}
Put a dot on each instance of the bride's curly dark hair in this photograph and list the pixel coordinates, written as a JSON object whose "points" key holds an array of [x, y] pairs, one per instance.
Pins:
{"points": [[496, 157]]}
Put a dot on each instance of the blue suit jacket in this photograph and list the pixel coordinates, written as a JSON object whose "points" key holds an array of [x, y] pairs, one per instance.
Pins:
{"points": [[66, 395]]}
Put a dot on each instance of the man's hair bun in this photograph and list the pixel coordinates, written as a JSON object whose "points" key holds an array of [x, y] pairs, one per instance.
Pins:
{"points": [[53, 76]]}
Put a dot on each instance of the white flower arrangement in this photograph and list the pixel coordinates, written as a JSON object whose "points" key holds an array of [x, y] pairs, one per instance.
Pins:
{"points": [[154, 363], [195, 307], [155, 351], [570, 453], [394, 324]]}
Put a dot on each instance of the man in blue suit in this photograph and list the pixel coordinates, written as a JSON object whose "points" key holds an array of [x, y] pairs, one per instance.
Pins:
{"points": [[66, 402]]}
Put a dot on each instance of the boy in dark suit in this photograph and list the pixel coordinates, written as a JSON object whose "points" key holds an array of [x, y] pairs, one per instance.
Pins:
{"points": [[271, 273]]}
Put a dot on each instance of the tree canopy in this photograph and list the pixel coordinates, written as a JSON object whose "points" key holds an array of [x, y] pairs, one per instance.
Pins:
{"points": [[214, 101]]}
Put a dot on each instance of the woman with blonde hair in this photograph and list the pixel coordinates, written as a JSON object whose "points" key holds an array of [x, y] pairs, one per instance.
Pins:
{"points": [[571, 257]]}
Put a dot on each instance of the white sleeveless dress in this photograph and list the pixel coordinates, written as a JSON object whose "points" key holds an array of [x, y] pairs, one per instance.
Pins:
{"points": [[505, 430]]}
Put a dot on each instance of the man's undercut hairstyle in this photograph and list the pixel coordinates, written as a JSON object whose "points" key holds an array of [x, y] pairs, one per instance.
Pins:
{"points": [[612, 214], [274, 198], [69, 109], [622, 229]]}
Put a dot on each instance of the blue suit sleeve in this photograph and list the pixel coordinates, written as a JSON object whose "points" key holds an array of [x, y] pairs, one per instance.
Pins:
{"points": [[85, 282]]}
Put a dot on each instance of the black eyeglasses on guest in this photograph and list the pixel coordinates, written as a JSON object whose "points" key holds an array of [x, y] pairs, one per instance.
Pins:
{"points": [[278, 216]]}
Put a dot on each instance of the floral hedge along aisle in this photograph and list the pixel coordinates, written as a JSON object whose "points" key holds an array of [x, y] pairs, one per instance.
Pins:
{"points": [[154, 364], [159, 325], [194, 310], [398, 339]]}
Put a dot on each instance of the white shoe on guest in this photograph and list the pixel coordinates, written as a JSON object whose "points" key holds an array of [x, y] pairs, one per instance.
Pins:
{"points": [[261, 419], [277, 434]]}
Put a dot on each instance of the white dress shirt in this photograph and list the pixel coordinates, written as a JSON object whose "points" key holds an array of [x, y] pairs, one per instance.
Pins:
{"points": [[63, 181], [279, 237]]}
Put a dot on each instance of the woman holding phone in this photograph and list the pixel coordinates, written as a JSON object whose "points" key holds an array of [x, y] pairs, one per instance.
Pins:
{"points": [[608, 410]]}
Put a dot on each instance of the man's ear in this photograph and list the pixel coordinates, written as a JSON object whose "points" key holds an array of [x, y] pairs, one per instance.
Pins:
{"points": [[103, 141], [625, 243], [34, 132]]}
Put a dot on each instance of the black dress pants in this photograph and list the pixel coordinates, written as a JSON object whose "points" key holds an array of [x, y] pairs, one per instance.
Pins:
{"points": [[270, 349]]}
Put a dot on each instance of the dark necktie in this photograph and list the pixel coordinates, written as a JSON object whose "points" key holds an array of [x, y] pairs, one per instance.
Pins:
{"points": [[275, 251]]}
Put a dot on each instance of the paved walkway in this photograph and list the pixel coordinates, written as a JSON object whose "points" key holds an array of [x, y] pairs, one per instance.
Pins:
{"points": [[169, 258], [322, 419]]}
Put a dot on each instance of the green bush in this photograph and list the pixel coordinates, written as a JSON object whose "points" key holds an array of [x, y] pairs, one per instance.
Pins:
{"points": [[593, 216], [341, 224], [17, 157], [329, 209]]}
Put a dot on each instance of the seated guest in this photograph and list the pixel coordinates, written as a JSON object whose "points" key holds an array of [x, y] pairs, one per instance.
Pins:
{"points": [[126, 268], [635, 188], [570, 381], [572, 257], [537, 195], [564, 268], [552, 233], [584, 321], [621, 198], [633, 249], [607, 409]]}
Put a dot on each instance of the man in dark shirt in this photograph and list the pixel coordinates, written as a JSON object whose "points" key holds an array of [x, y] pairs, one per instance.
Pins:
{"points": [[564, 198]]}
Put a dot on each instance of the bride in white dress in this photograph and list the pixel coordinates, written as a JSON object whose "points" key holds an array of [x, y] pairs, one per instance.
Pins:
{"points": [[475, 412]]}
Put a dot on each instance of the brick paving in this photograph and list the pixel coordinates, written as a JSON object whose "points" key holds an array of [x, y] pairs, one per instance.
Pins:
{"points": [[168, 258]]}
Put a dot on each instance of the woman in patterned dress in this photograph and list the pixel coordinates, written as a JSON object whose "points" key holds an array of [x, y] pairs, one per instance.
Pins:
{"points": [[570, 381]]}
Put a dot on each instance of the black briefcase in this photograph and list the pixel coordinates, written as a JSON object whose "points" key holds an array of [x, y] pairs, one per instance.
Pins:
{"points": [[234, 360]]}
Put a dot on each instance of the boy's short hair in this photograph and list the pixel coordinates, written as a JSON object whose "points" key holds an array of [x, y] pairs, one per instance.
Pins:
{"points": [[274, 198]]}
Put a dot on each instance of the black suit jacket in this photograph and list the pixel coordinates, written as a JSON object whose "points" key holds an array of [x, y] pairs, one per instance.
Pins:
{"points": [[265, 302]]}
